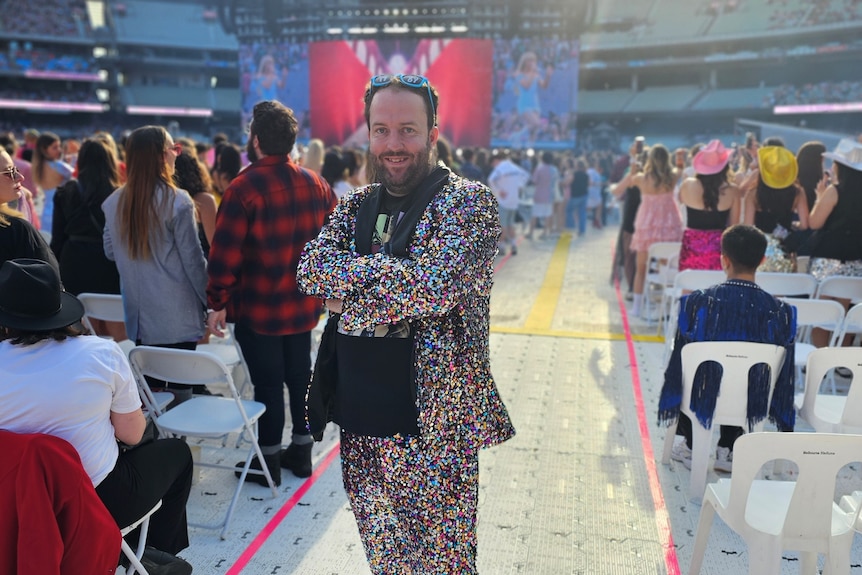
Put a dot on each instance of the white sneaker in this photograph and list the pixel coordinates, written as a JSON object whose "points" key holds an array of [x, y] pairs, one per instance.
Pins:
{"points": [[681, 452], [723, 460]]}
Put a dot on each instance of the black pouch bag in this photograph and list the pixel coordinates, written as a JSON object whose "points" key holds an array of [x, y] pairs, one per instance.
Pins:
{"points": [[376, 398]]}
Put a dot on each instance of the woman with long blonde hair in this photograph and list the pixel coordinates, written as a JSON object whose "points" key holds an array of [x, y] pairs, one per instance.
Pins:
{"points": [[150, 231], [658, 218]]}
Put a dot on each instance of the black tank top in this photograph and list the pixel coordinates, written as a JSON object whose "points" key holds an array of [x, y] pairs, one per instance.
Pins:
{"points": [[706, 219]]}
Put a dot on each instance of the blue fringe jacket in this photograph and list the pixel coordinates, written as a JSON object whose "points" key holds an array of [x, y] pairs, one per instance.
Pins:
{"points": [[736, 310]]}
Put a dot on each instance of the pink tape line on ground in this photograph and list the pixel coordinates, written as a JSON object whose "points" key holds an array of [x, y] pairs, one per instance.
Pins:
{"points": [[662, 518], [273, 524]]}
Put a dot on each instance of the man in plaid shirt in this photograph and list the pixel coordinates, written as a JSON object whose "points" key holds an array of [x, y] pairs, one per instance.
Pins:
{"points": [[268, 213]]}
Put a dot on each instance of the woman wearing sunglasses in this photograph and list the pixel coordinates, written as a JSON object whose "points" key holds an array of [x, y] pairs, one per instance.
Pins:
{"points": [[18, 238], [150, 231]]}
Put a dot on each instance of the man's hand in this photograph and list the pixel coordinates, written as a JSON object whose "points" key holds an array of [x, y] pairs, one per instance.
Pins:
{"points": [[216, 322], [334, 305]]}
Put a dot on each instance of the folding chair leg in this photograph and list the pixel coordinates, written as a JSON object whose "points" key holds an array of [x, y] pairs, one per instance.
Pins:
{"points": [[135, 565], [668, 442]]}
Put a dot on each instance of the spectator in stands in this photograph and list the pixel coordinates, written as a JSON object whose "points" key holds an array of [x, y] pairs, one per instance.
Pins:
{"points": [[736, 310], [334, 171], [25, 203], [354, 160], [18, 238], [78, 225], [546, 178], [836, 247], [227, 167], [657, 217], [85, 393], [470, 170], [314, 152], [191, 175], [150, 231], [772, 205], [506, 180], [711, 204], [49, 171]]}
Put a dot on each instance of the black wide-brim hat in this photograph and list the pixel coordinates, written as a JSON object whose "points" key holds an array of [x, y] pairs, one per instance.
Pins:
{"points": [[32, 299]]}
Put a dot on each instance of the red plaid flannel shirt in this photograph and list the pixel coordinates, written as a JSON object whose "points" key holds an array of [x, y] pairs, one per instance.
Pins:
{"points": [[268, 213]]}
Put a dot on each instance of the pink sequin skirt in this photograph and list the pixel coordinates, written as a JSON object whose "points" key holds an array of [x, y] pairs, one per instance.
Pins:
{"points": [[701, 250]]}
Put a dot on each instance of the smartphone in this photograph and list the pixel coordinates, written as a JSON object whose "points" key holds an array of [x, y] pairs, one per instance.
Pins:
{"points": [[639, 144]]}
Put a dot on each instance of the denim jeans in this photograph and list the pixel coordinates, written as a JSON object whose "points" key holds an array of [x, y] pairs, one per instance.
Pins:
{"points": [[578, 205], [273, 362]]}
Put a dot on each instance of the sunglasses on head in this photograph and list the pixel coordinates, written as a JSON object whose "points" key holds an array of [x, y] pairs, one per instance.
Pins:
{"points": [[410, 80], [12, 172]]}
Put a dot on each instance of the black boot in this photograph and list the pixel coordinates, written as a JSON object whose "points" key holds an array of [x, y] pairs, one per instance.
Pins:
{"points": [[297, 458], [160, 563], [272, 463]]}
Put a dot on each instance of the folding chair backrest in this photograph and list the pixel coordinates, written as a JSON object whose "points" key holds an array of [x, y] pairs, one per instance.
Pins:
{"points": [[824, 313], [179, 366], [663, 250], [819, 457], [843, 287], [736, 359], [820, 361], [787, 284], [852, 322], [103, 306]]}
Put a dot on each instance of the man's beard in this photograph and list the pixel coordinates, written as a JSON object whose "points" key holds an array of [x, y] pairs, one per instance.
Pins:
{"points": [[406, 181], [249, 149]]}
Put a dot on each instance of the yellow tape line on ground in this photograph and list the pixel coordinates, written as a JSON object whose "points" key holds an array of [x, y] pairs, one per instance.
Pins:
{"points": [[542, 313], [575, 334]]}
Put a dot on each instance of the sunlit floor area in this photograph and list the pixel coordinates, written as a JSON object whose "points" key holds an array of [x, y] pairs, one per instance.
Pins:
{"points": [[579, 490]]}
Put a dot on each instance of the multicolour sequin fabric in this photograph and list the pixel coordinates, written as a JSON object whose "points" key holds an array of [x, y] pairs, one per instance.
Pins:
{"points": [[443, 288]]}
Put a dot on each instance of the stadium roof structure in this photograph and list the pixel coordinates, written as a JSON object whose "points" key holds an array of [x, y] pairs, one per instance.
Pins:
{"points": [[305, 20]]}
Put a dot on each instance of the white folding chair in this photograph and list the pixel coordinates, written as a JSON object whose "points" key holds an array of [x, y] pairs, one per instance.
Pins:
{"points": [[134, 557], [832, 413], [841, 287], [810, 313], [203, 416], [685, 282], [103, 306], [663, 259], [852, 325], [731, 407], [787, 284], [772, 516]]}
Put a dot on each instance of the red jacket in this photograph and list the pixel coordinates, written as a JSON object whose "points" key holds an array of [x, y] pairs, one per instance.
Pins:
{"points": [[52, 522]]}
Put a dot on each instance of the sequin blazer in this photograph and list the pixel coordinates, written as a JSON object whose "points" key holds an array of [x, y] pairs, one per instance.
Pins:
{"points": [[443, 288]]}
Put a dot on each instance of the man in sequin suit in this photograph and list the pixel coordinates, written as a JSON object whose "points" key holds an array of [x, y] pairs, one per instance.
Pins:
{"points": [[408, 264]]}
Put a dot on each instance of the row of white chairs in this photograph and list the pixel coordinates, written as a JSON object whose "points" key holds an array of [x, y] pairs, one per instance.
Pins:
{"points": [[203, 416], [776, 515]]}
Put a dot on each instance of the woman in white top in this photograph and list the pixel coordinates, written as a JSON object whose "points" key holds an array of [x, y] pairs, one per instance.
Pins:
{"points": [[56, 380]]}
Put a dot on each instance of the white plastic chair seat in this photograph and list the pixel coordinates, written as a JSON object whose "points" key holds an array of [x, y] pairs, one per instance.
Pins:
{"points": [[208, 416], [828, 407], [773, 516], [832, 413]]}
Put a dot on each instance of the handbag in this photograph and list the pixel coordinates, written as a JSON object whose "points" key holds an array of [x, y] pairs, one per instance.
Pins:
{"points": [[151, 433]]}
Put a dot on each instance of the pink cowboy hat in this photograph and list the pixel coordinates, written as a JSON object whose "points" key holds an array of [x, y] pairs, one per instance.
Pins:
{"points": [[711, 159]]}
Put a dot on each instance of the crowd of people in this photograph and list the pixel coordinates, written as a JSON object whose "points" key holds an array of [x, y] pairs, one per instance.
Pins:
{"points": [[820, 93], [64, 18], [398, 246], [29, 58]]}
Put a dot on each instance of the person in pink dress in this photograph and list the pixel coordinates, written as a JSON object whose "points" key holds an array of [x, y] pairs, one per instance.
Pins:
{"points": [[658, 217]]}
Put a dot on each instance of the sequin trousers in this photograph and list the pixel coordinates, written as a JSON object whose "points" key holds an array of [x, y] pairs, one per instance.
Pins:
{"points": [[414, 501]]}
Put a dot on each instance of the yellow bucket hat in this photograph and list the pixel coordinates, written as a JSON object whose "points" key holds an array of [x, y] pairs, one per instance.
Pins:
{"points": [[778, 167]]}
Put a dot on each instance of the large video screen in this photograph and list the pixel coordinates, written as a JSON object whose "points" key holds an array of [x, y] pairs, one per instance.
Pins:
{"points": [[493, 93]]}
